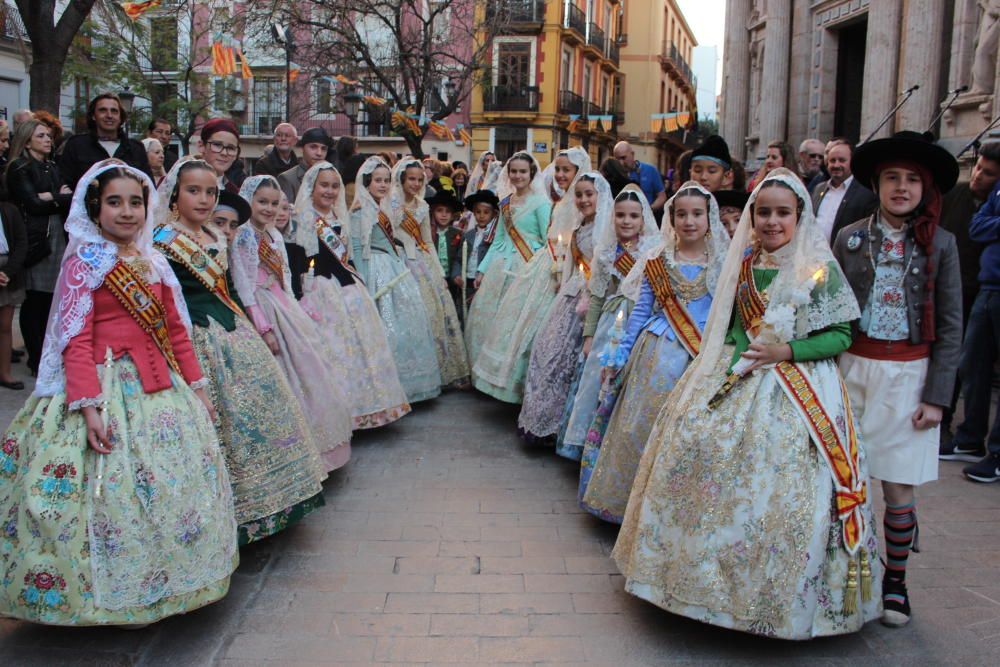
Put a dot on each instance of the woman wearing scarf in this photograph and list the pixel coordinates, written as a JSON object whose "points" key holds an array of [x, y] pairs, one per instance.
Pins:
{"points": [[503, 361], [273, 463], [478, 178], [672, 290], [340, 301], [263, 282], [114, 492], [900, 369], [750, 509], [411, 224], [380, 260]]}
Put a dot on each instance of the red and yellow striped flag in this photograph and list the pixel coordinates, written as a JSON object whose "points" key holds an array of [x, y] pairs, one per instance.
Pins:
{"points": [[136, 9], [245, 70], [464, 135]]}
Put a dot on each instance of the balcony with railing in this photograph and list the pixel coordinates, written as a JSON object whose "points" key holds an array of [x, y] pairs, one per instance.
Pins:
{"points": [[594, 109], [13, 27], [676, 66], [595, 36], [612, 51], [570, 103], [618, 109], [510, 98], [574, 19], [516, 15]]}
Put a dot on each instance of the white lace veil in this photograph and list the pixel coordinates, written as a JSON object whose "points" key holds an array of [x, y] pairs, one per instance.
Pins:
{"points": [[364, 204], [163, 215], [504, 186], [492, 176], [565, 220], [394, 203], [86, 262], [253, 183], [606, 243], [477, 179], [304, 215], [602, 218], [717, 244]]}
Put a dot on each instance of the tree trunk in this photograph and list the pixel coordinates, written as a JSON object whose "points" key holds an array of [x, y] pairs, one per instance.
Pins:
{"points": [[46, 81], [415, 143]]}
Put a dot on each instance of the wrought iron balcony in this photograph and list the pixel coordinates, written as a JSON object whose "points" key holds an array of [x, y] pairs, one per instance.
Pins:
{"points": [[516, 15], [570, 103], [595, 36], [594, 109], [675, 65], [575, 19], [613, 51], [510, 98]]}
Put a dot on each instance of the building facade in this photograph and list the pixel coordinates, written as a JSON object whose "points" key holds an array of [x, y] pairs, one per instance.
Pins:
{"points": [[14, 52], [552, 79], [805, 68], [656, 67]]}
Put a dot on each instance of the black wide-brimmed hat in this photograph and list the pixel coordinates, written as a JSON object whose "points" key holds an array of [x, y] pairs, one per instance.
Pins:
{"points": [[910, 147], [444, 198], [315, 135], [239, 204], [735, 198], [484, 197], [713, 148]]}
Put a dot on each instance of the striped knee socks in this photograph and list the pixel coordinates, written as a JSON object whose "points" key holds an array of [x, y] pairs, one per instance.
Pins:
{"points": [[900, 522]]}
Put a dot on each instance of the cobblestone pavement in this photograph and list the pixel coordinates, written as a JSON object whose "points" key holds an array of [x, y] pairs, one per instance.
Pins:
{"points": [[445, 540]]}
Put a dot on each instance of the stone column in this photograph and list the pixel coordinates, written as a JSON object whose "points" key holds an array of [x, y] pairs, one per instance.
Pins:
{"points": [[881, 62], [922, 62], [774, 82], [736, 77]]}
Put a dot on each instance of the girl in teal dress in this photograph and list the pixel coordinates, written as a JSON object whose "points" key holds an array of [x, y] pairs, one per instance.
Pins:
{"points": [[658, 344], [114, 496], [273, 463], [520, 233], [379, 260]]}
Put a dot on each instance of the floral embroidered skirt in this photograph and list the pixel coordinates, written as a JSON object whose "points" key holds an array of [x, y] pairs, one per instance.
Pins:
{"points": [[311, 370], [502, 365], [732, 516], [129, 537], [583, 404], [483, 311], [654, 366], [273, 464], [447, 328], [551, 368], [407, 327], [349, 317]]}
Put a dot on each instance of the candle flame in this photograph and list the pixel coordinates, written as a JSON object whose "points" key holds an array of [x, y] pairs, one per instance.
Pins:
{"points": [[312, 264], [581, 267], [620, 316], [559, 239], [818, 276]]}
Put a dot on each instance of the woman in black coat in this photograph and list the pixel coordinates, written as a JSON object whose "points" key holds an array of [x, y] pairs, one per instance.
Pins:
{"points": [[35, 187], [13, 248]]}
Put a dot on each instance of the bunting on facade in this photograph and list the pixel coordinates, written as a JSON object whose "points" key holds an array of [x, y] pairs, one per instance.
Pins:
{"points": [[347, 82], [245, 70], [574, 123], [463, 134], [669, 122], [134, 10], [223, 60]]}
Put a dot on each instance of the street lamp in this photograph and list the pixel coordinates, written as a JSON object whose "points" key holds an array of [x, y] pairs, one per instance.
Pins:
{"points": [[283, 38], [352, 104], [450, 89], [127, 98]]}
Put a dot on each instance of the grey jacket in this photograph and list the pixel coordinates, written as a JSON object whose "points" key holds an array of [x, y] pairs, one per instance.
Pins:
{"points": [[291, 180], [856, 261]]}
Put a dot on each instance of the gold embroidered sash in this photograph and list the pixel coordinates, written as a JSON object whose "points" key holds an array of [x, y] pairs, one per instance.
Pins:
{"points": [[677, 314], [512, 231], [412, 227], [624, 263], [141, 302], [184, 250], [839, 451], [271, 260], [386, 225], [579, 258]]}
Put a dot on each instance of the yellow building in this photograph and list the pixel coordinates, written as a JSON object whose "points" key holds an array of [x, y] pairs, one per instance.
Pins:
{"points": [[656, 67], [551, 79]]}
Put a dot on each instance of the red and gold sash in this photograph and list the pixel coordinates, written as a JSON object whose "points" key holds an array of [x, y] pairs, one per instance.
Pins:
{"points": [[624, 263], [184, 250], [271, 259], [839, 451], [579, 259], [386, 224], [412, 227], [677, 314], [141, 302], [512, 231]]}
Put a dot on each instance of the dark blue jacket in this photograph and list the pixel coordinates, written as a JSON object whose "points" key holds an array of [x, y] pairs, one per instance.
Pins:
{"points": [[985, 228]]}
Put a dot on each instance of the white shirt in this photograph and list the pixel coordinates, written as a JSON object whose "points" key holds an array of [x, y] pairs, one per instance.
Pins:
{"points": [[478, 241], [830, 204], [110, 147]]}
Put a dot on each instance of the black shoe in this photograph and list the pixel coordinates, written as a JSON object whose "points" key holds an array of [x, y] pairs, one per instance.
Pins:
{"points": [[16, 355], [16, 385], [986, 471], [895, 603], [954, 451]]}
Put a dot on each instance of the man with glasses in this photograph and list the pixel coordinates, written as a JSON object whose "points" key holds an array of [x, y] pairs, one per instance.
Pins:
{"points": [[315, 143], [841, 200], [281, 157], [106, 137], [646, 176], [160, 129], [811, 162]]}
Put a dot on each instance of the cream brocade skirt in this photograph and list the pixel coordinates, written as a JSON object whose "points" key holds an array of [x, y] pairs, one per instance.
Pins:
{"points": [[451, 353], [731, 519]]}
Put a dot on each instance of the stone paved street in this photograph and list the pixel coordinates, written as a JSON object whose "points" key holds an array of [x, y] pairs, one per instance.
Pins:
{"points": [[447, 541]]}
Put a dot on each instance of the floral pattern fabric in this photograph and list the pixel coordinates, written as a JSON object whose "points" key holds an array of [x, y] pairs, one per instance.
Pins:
{"points": [[884, 317]]}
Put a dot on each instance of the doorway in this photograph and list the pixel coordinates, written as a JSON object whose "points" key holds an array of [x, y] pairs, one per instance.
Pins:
{"points": [[850, 74]]}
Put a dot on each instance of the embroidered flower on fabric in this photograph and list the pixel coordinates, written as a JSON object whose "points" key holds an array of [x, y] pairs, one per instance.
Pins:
{"points": [[57, 482], [9, 455], [44, 590]]}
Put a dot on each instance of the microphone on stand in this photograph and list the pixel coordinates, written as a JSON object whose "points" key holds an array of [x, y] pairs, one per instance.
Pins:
{"points": [[975, 142], [892, 112], [954, 96]]}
